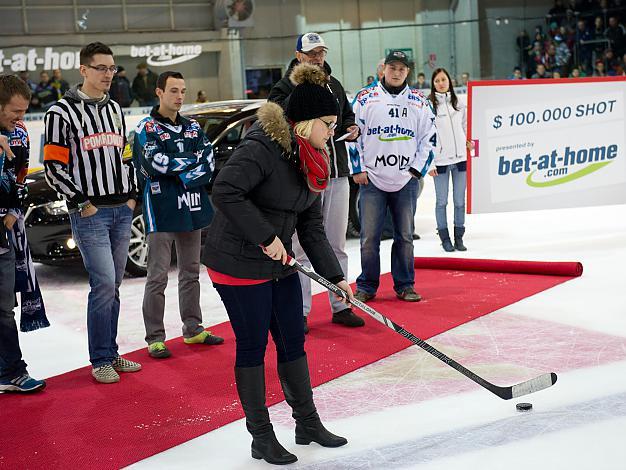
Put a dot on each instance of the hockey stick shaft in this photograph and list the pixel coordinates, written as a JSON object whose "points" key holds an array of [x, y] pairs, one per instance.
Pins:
{"points": [[530, 386]]}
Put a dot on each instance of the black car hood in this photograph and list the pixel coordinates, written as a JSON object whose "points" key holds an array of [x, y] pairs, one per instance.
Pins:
{"points": [[38, 190]]}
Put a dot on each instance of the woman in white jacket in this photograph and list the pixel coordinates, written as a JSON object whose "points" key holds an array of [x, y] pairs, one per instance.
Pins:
{"points": [[450, 157]]}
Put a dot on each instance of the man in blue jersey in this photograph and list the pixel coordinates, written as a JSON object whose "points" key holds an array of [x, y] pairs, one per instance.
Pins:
{"points": [[14, 152], [175, 162]]}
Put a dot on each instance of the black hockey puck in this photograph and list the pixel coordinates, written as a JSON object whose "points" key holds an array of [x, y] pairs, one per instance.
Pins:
{"points": [[524, 406]]}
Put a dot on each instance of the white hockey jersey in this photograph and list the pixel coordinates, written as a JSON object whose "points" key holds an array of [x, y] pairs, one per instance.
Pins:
{"points": [[397, 133]]}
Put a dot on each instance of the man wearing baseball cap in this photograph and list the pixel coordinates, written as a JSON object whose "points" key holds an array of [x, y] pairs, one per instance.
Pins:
{"points": [[311, 49], [392, 153]]}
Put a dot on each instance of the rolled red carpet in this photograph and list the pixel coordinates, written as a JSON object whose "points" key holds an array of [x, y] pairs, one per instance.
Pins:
{"points": [[547, 268]]}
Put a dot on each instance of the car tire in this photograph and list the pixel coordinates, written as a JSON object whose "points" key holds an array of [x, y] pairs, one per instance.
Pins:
{"points": [[137, 262]]}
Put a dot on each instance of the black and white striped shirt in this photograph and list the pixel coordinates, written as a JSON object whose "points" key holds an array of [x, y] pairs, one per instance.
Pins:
{"points": [[83, 149]]}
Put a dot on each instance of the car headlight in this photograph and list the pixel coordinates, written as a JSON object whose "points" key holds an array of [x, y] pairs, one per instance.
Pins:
{"points": [[55, 208]]}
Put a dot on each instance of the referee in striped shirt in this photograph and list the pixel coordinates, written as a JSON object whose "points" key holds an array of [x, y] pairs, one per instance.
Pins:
{"points": [[85, 136]]}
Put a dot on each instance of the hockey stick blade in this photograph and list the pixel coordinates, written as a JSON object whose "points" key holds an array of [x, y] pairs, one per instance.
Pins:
{"points": [[506, 393]]}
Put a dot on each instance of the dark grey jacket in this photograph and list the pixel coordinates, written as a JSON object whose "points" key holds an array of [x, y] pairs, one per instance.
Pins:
{"points": [[338, 155]]}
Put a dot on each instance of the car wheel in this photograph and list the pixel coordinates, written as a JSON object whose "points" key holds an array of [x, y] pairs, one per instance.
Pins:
{"points": [[137, 263]]}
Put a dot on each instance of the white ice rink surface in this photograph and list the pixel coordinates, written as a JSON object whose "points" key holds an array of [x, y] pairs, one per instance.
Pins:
{"points": [[410, 410]]}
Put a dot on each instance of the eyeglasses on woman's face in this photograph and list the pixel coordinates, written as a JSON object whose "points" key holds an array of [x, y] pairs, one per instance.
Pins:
{"points": [[332, 125]]}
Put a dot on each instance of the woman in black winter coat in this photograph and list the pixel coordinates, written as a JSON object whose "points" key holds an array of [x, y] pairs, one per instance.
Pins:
{"points": [[269, 189]]}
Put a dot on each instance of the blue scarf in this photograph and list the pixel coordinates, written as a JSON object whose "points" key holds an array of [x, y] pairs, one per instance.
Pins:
{"points": [[33, 310]]}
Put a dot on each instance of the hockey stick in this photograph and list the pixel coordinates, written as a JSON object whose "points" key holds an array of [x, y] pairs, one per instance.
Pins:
{"points": [[506, 393]]}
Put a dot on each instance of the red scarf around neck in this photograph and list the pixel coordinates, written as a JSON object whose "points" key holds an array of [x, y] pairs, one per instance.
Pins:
{"points": [[315, 164]]}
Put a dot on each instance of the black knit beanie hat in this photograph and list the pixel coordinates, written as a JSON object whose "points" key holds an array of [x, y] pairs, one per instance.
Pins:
{"points": [[310, 98]]}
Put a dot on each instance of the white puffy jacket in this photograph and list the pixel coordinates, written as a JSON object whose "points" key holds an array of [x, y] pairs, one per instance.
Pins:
{"points": [[451, 131]]}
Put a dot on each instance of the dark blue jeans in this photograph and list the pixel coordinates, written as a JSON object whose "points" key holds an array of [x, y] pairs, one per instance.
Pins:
{"points": [[11, 363], [373, 204], [103, 242], [272, 307]]}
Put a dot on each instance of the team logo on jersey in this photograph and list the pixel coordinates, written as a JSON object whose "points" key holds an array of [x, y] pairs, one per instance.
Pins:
{"points": [[191, 200], [19, 136], [417, 98], [392, 160], [164, 136], [366, 94], [391, 133], [191, 134], [102, 139], [155, 187]]}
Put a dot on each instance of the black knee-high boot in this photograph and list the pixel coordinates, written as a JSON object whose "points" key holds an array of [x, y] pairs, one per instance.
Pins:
{"points": [[296, 383], [251, 389]]}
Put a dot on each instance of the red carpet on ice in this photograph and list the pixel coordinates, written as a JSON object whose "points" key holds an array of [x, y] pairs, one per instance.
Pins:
{"points": [[75, 423]]}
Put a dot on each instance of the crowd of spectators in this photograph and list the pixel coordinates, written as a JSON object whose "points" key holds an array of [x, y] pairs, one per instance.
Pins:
{"points": [[48, 90], [580, 38]]}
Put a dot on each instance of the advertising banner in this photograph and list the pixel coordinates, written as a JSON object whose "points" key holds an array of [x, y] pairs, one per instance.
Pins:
{"points": [[17, 59], [546, 144]]}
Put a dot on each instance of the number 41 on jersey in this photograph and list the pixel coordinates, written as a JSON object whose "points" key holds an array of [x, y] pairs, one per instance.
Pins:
{"points": [[394, 113]]}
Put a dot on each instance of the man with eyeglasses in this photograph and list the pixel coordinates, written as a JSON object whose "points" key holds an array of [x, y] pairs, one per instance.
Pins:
{"points": [[85, 135], [311, 49]]}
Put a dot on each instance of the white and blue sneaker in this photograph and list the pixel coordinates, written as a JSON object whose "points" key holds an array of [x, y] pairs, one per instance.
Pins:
{"points": [[23, 383]]}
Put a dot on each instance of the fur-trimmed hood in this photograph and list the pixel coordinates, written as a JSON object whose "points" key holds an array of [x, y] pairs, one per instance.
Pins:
{"points": [[274, 123], [307, 73], [280, 94]]}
